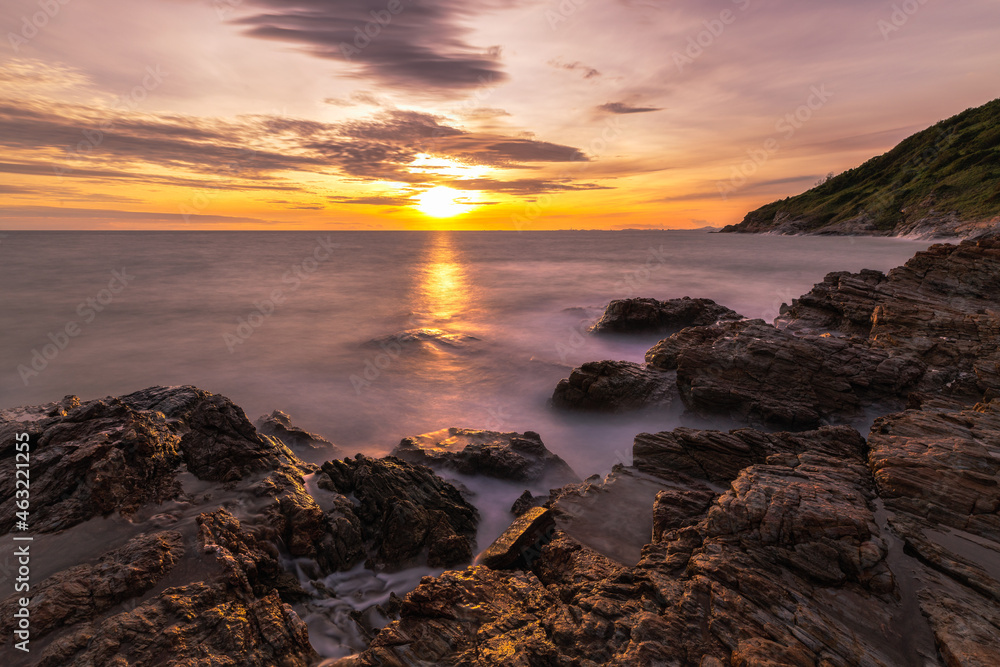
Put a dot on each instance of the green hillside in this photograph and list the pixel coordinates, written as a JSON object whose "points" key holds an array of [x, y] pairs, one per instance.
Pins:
{"points": [[950, 168]]}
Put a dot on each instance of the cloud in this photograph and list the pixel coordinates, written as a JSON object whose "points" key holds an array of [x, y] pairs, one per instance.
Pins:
{"points": [[587, 71], [372, 200], [523, 186], [55, 213], [421, 48], [622, 107]]}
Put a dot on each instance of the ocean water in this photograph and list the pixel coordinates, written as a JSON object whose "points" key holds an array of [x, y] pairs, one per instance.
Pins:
{"points": [[368, 337]]}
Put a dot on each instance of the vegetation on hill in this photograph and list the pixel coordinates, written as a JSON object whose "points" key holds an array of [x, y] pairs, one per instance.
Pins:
{"points": [[950, 168]]}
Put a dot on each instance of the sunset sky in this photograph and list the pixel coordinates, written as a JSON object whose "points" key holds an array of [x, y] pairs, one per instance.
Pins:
{"points": [[462, 114]]}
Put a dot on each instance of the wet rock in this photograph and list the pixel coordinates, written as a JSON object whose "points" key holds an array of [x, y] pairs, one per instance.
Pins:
{"points": [[614, 386], [938, 472], [653, 316], [787, 566], [941, 306], [525, 502], [756, 373], [210, 588], [855, 341], [82, 592], [513, 456], [407, 514], [279, 425], [514, 547]]}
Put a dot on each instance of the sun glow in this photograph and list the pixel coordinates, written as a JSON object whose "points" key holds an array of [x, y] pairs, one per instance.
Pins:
{"points": [[444, 202]]}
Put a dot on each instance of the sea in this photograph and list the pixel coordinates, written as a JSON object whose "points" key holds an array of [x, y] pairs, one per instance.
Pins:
{"points": [[369, 337]]}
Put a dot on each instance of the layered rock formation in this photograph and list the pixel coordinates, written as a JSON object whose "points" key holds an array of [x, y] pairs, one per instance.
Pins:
{"points": [[854, 342], [161, 521], [662, 317], [614, 386], [788, 566]]}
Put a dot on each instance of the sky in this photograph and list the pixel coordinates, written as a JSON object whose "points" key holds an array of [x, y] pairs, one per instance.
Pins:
{"points": [[462, 114]]}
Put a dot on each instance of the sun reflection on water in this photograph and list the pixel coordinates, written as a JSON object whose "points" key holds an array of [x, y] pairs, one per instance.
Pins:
{"points": [[443, 292]]}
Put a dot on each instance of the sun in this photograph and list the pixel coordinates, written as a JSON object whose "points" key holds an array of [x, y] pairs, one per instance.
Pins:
{"points": [[444, 202]]}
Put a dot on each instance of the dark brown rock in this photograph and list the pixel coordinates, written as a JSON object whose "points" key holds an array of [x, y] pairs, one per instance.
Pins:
{"points": [[786, 567], [663, 317], [279, 425], [404, 511], [513, 456], [938, 472], [614, 386], [513, 547]]}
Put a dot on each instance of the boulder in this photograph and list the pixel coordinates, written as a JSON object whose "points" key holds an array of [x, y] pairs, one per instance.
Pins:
{"points": [[519, 457], [279, 425], [521, 542], [614, 386], [406, 514], [661, 317]]}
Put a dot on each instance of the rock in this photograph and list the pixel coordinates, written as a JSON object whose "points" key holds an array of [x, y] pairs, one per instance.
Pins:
{"points": [[614, 386], [938, 473], [854, 342], [111, 585], [512, 456], [787, 566], [82, 592], [941, 307], [652, 316], [406, 513], [521, 542], [756, 373], [525, 502], [279, 425]]}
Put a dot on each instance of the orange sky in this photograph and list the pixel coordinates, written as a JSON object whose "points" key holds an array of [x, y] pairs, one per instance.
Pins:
{"points": [[504, 114]]}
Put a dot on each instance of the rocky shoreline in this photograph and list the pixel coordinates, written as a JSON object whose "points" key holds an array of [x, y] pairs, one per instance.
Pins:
{"points": [[178, 532]]}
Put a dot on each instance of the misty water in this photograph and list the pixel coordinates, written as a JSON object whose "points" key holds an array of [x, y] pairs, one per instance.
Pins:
{"points": [[376, 336]]}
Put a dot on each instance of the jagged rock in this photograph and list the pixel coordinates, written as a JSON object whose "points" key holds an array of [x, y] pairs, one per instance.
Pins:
{"points": [[513, 456], [279, 425], [756, 373], [652, 316], [938, 472], [854, 341], [614, 386], [160, 457], [525, 502], [942, 307], [517, 543], [786, 567], [80, 593], [405, 511], [118, 454]]}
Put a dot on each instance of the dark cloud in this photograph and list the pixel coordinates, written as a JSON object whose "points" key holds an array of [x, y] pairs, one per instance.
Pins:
{"points": [[251, 152], [421, 48], [622, 107], [522, 186], [372, 201]]}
